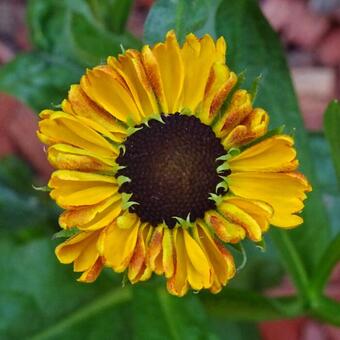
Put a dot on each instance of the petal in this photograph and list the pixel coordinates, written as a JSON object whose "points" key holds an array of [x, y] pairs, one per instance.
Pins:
{"points": [[198, 266], [224, 229], [106, 88], [220, 259], [238, 109], [169, 59], [168, 253], [155, 250], [284, 192], [117, 245], [198, 58], [131, 69], [93, 272], [67, 157], [274, 154], [238, 216], [75, 188], [81, 105], [178, 284], [81, 216]]}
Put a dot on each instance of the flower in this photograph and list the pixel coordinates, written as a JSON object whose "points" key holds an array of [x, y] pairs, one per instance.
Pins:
{"points": [[160, 160]]}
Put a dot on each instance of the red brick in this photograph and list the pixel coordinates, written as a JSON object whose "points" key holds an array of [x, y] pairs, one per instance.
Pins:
{"points": [[296, 21], [329, 49]]}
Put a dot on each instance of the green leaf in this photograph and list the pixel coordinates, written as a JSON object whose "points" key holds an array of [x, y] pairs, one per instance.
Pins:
{"points": [[113, 13], [40, 298], [327, 310], [38, 79], [253, 46], [332, 133], [181, 15], [236, 304], [21, 208], [328, 261], [72, 30], [159, 315]]}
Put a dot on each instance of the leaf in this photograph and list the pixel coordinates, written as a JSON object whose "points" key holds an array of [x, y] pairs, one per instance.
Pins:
{"points": [[332, 133], [181, 15], [39, 79], [328, 261], [113, 13], [40, 298], [159, 315], [253, 46], [21, 208], [71, 29], [235, 304]]}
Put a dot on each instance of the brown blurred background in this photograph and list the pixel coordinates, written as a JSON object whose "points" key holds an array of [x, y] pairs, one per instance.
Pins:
{"points": [[310, 32]]}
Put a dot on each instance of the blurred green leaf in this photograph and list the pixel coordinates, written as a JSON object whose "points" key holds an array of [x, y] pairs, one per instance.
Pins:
{"points": [[327, 178], [235, 304], [328, 261], [253, 46], [113, 13], [70, 29], [332, 133], [21, 208], [159, 315], [327, 310], [40, 298], [181, 15], [39, 79], [226, 329]]}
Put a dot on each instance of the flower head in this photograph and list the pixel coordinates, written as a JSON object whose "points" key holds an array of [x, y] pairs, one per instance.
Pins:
{"points": [[162, 159]]}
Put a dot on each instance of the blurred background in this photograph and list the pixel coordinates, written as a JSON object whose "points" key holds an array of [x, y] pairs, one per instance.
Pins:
{"points": [[310, 33]]}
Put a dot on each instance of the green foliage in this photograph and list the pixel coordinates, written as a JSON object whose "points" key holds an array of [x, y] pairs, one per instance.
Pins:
{"points": [[332, 130], [40, 298]]}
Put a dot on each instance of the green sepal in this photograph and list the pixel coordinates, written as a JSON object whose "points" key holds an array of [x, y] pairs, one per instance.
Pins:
{"points": [[123, 179], [56, 106], [44, 188], [221, 168], [123, 148], [239, 247], [261, 245], [223, 157], [156, 116], [130, 122], [122, 48], [218, 199], [185, 223], [131, 130], [234, 152], [126, 203], [66, 233], [223, 185], [255, 87], [186, 112]]}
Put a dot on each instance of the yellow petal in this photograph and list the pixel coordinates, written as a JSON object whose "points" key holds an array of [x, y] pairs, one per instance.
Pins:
{"points": [[198, 266], [198, 57], [117, 245], [178, 284], [168, 253], [238, 109], [80, 104], [224, 229], [153, 73], [67, 157], [93, 272], [155, 250], [241, 218], [131, 69], [284, 192], [106, 88], [274, 154], [171, 69]]}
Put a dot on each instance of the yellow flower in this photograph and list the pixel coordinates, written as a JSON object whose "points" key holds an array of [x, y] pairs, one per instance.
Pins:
{"points": [[161, 159]]}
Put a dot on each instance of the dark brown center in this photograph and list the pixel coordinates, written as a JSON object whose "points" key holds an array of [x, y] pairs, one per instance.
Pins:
{"points": [[172, 166]]}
